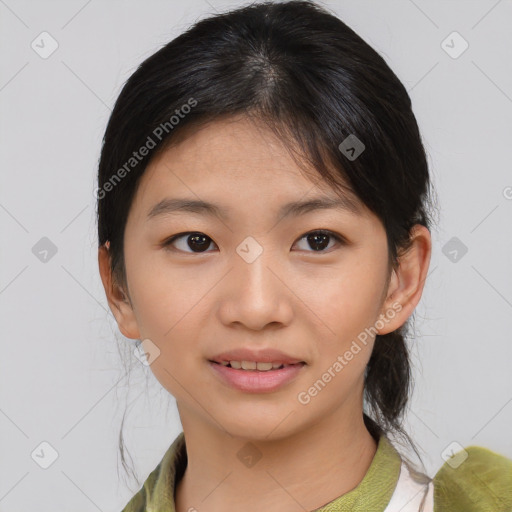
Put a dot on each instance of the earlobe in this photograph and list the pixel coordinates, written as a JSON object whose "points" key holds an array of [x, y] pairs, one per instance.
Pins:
{"points": [[117, 300], [407, 281]]}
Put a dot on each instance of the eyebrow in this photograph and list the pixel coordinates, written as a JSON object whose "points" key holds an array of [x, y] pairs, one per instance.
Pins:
{"points": [[170, 206]]}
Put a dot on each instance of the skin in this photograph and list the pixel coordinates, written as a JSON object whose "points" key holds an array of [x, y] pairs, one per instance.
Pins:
{"points": [[309, 304]]}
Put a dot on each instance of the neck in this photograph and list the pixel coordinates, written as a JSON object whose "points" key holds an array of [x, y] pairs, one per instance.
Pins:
{"points": [[277, 473]]}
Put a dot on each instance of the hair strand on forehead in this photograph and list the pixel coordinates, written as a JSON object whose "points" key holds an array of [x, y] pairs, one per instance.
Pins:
{"points": [[314, 82]]}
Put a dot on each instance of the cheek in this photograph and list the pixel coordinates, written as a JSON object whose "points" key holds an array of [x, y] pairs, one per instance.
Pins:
{"points": [[169, 308], [162, 296], [170, 321], [346, 299]]}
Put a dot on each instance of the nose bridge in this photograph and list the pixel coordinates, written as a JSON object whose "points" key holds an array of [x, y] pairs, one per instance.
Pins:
{"points": [[256, 296], [252, 263]]}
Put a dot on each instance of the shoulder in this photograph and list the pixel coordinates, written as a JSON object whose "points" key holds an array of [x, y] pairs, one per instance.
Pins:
{"points": [[474, 479], [139, 502], [154, 493]]}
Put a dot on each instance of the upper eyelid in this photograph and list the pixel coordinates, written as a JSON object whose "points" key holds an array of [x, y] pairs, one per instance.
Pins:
{"points": [[339, 238]]}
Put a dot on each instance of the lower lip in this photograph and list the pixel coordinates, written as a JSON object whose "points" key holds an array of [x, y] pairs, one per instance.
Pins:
{"points": [[254, 381]]}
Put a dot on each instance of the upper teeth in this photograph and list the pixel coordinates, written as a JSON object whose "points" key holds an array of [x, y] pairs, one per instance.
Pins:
{"points": [[252, 365]]}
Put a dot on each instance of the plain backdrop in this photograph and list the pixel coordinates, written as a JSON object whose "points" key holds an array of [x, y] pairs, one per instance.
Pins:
{"points": [[62, 385]]}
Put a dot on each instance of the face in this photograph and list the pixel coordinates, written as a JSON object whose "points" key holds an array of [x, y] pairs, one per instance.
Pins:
{"points": [[202, 282]]}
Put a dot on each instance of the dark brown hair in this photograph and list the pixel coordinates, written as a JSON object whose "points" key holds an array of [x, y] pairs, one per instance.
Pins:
{"points": [[313, 81]]}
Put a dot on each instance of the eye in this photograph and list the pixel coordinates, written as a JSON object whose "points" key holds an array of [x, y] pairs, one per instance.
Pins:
{"points": [[319, 239], [196, 241]]}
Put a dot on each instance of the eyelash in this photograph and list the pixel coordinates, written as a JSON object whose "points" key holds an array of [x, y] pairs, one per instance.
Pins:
{"points": [[168, 243]]}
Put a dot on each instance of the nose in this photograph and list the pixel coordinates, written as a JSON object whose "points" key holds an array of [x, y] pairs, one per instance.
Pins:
{"points": [[255, 294]]}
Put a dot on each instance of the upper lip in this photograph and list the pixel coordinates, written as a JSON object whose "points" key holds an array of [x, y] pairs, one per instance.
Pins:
{"points": [[268, 355]]}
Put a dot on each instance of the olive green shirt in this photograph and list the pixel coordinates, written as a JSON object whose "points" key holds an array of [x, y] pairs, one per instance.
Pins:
{"points": [[481, 483]]}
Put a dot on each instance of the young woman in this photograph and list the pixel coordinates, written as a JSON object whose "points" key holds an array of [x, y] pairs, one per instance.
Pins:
{"points": [[263, 217]]}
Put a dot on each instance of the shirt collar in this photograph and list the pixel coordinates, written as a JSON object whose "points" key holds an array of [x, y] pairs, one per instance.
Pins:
{"points": [[372, 493]]}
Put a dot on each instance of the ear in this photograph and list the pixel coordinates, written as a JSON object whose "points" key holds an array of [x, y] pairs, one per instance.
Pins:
{"points": [[406, 283], [118, 300]]}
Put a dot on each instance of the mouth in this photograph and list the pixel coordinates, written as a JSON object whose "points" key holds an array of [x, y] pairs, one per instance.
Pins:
{"points": [[252, 379], [255, 366]]}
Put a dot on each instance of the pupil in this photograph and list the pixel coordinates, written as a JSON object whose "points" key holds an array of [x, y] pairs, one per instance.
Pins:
{"points": [[199, 240], [318, 239]]}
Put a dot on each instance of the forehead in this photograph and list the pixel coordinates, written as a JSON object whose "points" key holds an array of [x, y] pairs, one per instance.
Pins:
{"points": [[233, 160], [231, 145]]}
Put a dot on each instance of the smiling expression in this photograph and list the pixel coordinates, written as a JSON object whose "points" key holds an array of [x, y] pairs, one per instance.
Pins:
{"points": [[229, 245]]}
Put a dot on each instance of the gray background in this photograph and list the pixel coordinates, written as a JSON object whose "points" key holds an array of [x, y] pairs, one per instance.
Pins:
{"points": [[61, 377]]}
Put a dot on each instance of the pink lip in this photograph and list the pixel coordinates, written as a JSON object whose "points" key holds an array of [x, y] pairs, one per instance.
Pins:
{"points": [[255, 381], [268, 355]]}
